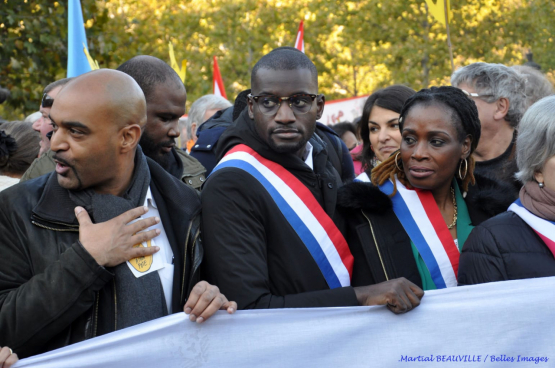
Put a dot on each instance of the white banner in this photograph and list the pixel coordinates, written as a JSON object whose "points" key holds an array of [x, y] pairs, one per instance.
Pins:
{"points": [[347, 109], [498, 324]]}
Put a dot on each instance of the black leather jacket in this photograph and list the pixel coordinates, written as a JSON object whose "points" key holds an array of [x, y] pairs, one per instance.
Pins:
{"points": [[52, 292]]}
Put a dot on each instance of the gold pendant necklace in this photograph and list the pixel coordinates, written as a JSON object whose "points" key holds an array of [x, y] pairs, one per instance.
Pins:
{"points": [[455, 210]]}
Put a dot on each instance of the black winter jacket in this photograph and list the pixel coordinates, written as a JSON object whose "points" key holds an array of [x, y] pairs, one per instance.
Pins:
{"points": [[52, 292], [379, 244], [252, 253], [504, 248]]}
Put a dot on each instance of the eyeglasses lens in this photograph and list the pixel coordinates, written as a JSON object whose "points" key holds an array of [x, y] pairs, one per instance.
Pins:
{"points": [[299, 104]]}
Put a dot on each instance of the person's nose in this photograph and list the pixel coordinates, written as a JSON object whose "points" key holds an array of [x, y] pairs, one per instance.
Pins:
{"points": [[58, 142], [420, 151], [174, 130], [285, 114], [383, 136]]}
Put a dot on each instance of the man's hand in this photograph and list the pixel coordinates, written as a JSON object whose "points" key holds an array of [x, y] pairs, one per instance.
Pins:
{"points": [[111, 242], [205, 300], [7, 357], [400, 295]]}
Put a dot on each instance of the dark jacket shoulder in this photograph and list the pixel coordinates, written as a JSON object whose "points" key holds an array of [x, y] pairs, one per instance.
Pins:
{"points": [[504, 248]]}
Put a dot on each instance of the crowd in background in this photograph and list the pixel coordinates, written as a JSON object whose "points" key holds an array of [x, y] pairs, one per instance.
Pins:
{"points": [[476, 158]]}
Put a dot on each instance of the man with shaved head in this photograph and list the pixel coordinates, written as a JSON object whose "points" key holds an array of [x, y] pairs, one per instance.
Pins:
{"points": [[107, 241], [165, 102]]}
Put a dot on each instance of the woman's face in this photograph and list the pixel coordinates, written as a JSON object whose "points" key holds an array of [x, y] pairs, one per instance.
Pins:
{"points": [[547, 175], [430, 148], [385, 137]]}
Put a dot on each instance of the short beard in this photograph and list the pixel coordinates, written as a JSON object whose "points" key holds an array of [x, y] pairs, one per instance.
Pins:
{"points": [[153, 150], [293, 148]]}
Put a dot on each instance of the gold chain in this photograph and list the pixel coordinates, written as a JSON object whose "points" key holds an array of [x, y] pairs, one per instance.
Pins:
{"points": [[455, 208]]}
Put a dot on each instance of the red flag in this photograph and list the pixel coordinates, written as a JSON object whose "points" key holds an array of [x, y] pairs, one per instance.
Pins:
{"points": [[217, 82], [299, 44]]}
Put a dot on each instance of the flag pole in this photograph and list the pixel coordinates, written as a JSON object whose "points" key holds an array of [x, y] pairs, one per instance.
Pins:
{"points": [[449, 45]]}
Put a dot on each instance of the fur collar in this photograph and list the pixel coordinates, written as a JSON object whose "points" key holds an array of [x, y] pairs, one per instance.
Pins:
{"points": [[490, 197]]}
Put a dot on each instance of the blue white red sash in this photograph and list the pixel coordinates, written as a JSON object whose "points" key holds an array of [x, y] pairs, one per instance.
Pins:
{"points": [[363, 177], [316, 229], [544, 228], [420, 216]]}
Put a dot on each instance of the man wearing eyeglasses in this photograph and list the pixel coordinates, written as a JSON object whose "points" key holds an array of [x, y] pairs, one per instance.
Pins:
{"points": [[44, 163], [269, 205], [499, 94]]}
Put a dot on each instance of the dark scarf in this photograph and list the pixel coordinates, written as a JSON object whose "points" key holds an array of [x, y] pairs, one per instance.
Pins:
{"points": [[138, 299], [175, 165], [539, 201]]}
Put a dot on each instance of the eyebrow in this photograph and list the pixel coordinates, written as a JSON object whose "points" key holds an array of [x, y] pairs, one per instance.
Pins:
{"points": [[71, 124], [387, 122], [429, 133]]}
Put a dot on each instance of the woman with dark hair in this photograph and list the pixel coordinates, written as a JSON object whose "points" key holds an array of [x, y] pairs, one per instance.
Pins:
{"points": [[19, 146], [379, 126], [414, 222]]}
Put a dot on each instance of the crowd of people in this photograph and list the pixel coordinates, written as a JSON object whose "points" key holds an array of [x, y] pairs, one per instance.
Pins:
{"points": [[107, 223]]}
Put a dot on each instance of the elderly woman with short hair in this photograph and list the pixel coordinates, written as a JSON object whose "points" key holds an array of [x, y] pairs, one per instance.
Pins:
{"points": [[520, 243]]}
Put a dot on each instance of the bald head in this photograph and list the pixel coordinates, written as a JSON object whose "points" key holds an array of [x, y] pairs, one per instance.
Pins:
{"points": [[98, 119], [117, 94]]}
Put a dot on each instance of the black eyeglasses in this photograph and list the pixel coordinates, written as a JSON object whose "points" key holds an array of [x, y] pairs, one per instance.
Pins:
{"points": [[269, 105], [47, 101]]}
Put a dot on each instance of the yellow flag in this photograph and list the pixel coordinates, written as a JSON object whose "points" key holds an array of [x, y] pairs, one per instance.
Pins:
{"points": [[182, 72], [437, 10], [93, 63]]}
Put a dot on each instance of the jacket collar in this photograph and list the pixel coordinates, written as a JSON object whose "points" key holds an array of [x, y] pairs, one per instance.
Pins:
{"points": [[55, 205]]}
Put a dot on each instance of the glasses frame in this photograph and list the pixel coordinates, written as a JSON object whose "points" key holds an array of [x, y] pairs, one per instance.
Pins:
{"points": [[46, 101], [281, 99], [472, 94]]}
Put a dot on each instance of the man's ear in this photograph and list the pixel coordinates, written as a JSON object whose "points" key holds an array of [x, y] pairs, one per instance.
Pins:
{"points": [[250, 105], [502, 108], [194, 129], [130, 137], [320, 102]]}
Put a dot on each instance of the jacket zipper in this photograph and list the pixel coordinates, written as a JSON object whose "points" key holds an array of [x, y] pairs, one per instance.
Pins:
{"points": [[58, 223], [96, 314], [51, 228], [375, 242], [115, 307], [185, 258]]}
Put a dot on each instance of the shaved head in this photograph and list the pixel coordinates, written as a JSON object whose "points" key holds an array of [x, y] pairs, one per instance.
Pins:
{"points": [[98, 119], [117, 93]]}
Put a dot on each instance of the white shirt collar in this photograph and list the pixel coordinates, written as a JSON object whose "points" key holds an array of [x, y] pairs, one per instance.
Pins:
{"points": [[308, 155], [149, 199]]}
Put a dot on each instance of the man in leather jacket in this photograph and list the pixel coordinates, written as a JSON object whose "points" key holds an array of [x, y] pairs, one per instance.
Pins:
{"points": [[67, 236]]}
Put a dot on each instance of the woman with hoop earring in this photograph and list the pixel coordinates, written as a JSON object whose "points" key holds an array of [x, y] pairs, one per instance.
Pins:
{"points": [[414, 221]]}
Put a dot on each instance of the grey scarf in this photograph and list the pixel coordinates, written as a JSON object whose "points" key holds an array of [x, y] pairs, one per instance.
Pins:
{"points": [[138, 299]]}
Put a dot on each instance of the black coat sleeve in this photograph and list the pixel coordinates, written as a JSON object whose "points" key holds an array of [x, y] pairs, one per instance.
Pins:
{"points": [[481, 260], [35, 307], [234, 239]]}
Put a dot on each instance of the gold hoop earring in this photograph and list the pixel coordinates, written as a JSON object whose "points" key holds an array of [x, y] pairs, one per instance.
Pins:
{"points": [[396, 164], [465, 169]]}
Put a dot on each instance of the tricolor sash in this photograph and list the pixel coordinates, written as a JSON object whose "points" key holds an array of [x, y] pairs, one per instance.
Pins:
{"points": [[420, 216], [544, 228], [312, 224], [363, 177]]}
